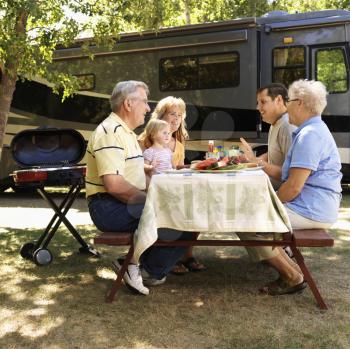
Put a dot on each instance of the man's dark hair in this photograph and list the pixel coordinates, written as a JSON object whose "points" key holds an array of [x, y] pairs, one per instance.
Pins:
{"points": [[275, 89]]}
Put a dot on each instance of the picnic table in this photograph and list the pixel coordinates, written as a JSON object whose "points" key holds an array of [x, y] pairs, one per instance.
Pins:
{"points": [[240, 201]]}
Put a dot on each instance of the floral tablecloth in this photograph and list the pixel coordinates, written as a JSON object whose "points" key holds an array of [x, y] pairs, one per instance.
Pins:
{"points": [[228, 202]]}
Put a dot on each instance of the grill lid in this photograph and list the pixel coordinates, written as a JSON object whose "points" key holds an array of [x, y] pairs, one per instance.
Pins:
{"points": [[48, 147]]}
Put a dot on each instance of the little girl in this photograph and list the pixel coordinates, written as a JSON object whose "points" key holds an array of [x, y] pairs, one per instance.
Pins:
{"points": [[157, 154]]}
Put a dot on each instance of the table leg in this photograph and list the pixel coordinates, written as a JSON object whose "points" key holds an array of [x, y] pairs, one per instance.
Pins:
{"points": [[307, 276], [118, 280]]}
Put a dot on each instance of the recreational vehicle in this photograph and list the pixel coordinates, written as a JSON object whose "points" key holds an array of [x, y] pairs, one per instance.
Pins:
{"points": [[215, 67]]}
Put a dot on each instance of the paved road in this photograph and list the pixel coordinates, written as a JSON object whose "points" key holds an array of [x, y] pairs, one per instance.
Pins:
{"points": [[31, 211]]}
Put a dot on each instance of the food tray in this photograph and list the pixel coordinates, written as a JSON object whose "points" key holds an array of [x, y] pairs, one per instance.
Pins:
{"points": [[232, 170]]}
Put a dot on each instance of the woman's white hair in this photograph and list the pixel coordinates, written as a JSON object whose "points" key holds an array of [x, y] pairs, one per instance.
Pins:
{"points": [[312, 93], [122, 90]]}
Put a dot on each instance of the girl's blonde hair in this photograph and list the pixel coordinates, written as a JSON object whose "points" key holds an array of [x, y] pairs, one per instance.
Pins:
{"points": [[161, 108], [153, 126]]}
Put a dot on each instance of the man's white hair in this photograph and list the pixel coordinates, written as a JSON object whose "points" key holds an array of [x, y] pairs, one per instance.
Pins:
{"points": [[124, 89], [312, 93]]}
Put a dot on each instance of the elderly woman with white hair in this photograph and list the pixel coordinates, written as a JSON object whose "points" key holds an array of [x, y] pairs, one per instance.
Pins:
{"points": [[311, 189]]}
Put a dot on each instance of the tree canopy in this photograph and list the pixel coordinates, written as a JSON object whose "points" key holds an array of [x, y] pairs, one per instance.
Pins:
{"points": [[30, 30]]}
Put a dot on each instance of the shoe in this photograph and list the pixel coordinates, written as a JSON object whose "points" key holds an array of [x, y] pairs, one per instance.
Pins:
{"points": [[288, 251], [179, 269], [265, 289], [280, 287], [149, 281], [132, 277], [193, 265]]}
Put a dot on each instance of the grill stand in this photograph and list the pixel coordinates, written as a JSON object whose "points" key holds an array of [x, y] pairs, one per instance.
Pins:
{"points": [[37, 250]]}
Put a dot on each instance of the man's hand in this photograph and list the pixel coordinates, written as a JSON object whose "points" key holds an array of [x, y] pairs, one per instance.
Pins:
{"points": [[248, 151]]}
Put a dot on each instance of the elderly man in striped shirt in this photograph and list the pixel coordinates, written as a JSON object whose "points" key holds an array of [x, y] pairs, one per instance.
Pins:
{"points": [[116, 183]]}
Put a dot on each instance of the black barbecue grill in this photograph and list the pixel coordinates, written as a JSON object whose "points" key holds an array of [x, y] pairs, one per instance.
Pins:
{"points": [[49, 157]]}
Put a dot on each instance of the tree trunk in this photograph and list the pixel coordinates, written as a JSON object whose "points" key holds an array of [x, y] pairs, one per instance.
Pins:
{"points": [[7, 88], [188, 11], [9, 78]]}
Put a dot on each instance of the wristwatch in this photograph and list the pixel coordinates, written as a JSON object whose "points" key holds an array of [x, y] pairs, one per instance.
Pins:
{"points": [[260, 162]]}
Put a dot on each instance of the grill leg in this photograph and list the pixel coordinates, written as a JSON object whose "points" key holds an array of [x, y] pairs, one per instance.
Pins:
{"points": [[60, 216], [48, 234]]}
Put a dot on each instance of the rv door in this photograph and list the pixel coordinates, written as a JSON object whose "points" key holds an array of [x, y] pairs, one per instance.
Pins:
{"points": [[331, 66]]}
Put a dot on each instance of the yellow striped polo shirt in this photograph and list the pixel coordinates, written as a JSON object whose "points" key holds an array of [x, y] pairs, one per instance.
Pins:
{"points": [[113, 149]]}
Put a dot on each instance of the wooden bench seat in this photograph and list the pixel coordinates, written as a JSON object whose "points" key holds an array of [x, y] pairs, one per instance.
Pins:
{"points": [[312, 238], [299, 238], [114, 239]]}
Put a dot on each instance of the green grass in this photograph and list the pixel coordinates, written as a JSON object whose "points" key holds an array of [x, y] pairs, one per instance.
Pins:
{"points": [[62, 305]]}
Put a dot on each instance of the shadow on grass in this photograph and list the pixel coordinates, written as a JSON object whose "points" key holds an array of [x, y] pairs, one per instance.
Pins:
{"points": [[62, 305]]}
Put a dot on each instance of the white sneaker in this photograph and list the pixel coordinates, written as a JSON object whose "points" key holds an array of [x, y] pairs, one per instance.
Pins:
{"points": [[288, 251], [132, 277], [149, 281]]}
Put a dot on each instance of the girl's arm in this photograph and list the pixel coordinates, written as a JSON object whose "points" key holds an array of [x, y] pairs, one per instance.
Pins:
{"points": [[149, 162], [148, 166]]}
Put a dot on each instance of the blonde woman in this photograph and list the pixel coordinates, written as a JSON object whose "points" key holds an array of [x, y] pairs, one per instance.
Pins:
{"points": [[173, 111]]}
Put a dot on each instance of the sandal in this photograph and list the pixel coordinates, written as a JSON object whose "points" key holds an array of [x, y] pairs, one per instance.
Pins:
{"points": [[193, 265], [280, 287], [179, 269], [265, 289]]}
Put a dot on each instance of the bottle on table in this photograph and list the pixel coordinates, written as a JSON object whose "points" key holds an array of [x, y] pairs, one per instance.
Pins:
{"points": [[220, 151]]}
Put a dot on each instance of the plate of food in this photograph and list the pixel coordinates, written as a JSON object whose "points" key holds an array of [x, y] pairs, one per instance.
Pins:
{"points": [[224, 169], [253, 168], [227, 164]]}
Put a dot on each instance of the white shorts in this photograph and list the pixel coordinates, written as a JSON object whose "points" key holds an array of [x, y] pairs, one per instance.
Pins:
{"points": [[299, 222], [267, 252]]}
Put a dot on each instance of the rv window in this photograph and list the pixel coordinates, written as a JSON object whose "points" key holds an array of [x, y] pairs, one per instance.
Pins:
{"points": [[288, 64], [199, 72], [331, 69], [218, 71], [178, 73], [86, 82], [33, 98]]}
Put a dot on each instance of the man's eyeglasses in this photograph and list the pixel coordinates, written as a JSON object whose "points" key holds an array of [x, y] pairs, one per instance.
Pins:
{"points": [[292, 100], [144, 100]]}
